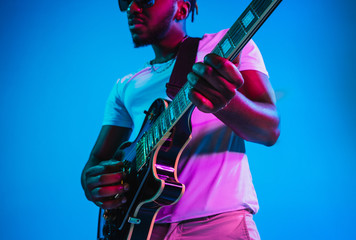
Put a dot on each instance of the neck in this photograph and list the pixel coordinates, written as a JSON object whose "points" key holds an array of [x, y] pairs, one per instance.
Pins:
{"points": [[167, 48]]}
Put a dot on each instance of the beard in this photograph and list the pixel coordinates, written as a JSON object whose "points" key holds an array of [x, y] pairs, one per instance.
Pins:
{"points": [[155, 35]]}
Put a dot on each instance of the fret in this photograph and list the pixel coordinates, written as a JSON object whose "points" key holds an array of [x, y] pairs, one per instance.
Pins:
{"points": [[139, 162], [144, 150], [185, 100], [165, 121], [167, 116], [249, 19], [147, 141], [217, 51], [176, 112], [186, 92], [138, 158], [182, 101], [146, 145], [226, 46], [179, 104], [163, 124], [260, 6], [237, 32], [160, 130], [138, 150], [153, 132], [150, 140], [156, 132], [171, 113], [164, 117]]}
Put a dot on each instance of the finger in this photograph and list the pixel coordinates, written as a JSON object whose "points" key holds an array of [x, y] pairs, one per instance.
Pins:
{"points": [[96, 170], [205, 76], [213, 95], [111, 163], [209, 101], [111, 203], [202, 103], [107, 191], [214, 99], [108, 166], [112, 166], [104, 179], [226, 68]]}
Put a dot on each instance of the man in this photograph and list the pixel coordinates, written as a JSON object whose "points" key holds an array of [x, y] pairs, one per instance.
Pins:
{"points": [[234, 101]]}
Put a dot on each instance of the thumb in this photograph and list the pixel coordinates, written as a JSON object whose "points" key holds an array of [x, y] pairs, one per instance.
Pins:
{"points": [[119, 155]]}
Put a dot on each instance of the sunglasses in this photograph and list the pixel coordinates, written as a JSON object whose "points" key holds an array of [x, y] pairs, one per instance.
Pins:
{"points": [[124, 4]]}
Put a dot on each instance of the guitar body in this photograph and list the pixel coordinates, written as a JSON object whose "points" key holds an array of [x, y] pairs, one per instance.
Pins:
{"points": [[152, 186]]}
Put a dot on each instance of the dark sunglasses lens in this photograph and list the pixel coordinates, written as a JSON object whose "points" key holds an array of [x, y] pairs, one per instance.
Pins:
{"points": [[147, 3], [124, 4]]}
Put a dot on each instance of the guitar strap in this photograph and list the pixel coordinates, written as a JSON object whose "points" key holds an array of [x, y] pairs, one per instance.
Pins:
{"points": [[185, 59]]}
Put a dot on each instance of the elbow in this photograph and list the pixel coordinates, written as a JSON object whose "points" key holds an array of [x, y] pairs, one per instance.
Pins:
{"points": [[267, 136], [273, 132], [272, 137]]}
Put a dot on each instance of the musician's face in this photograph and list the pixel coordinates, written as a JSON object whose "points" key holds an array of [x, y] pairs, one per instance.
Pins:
{"points": [[150, 25]]}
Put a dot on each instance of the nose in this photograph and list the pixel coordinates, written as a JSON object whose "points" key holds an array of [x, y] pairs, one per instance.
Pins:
{"points": [[134, 7]]}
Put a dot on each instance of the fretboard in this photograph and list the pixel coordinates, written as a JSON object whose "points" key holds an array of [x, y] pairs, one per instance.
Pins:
{"points": [[229, 47]]}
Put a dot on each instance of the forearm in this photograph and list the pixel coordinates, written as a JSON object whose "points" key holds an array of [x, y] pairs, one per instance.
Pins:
{"points": [[253, 121]]}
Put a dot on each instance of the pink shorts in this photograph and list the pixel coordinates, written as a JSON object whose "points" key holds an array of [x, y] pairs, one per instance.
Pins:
{"points": [[231, 225]]}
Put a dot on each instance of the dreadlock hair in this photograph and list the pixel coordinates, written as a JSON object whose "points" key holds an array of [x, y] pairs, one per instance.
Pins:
{"points": [[193, 8]]}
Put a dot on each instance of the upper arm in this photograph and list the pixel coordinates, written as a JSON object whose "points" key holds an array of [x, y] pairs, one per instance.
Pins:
{"points": [[109, 139], [257, 87]]}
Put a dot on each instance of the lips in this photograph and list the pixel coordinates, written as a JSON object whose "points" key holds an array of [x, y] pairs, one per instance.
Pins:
{"points": [[136, 21]]}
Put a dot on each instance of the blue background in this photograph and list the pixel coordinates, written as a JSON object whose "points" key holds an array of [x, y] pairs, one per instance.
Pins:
{"points": [[59, 60]]}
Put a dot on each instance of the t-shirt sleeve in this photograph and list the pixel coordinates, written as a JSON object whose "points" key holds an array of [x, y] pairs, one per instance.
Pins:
{"points": [[251, 58], [115, 112]]}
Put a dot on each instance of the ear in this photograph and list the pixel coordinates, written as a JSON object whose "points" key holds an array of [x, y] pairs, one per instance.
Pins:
{"points": [[183, 7]]}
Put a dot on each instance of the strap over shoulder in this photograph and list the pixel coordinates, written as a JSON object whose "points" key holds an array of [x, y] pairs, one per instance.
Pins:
{"points": [[185, 60]]}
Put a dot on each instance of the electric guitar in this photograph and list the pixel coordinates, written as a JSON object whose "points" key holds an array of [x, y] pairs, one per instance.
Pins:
{"points": [[151, 160]]}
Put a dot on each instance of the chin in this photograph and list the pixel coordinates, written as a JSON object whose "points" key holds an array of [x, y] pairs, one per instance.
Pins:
{"points": [[139, 41]]}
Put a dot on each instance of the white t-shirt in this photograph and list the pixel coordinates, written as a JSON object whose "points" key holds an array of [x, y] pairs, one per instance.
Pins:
{"points": [[213, 168]]}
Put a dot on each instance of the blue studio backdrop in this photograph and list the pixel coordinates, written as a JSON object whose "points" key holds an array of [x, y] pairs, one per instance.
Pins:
{"points": [[59, 60]]}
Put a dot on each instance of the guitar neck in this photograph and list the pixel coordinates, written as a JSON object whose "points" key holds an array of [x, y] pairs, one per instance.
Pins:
{"points": [[229, 47], [244, 28]]}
